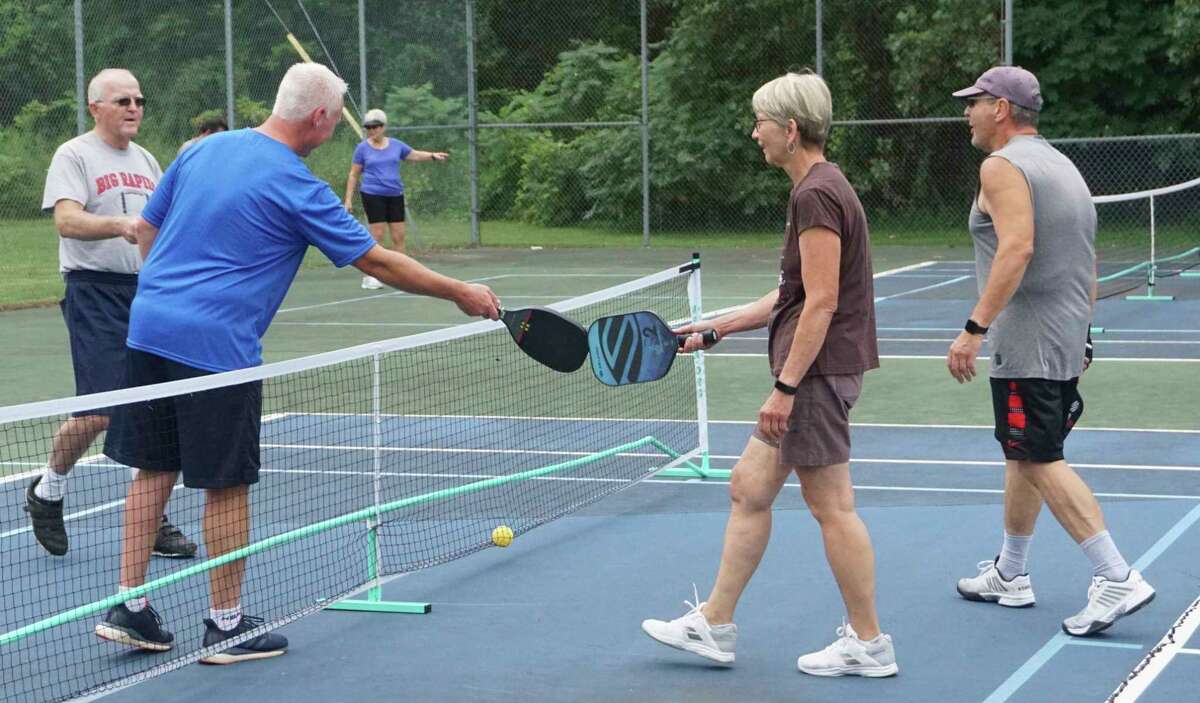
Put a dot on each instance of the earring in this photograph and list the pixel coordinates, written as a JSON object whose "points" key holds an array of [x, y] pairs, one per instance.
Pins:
{"points": [[791, 148]]}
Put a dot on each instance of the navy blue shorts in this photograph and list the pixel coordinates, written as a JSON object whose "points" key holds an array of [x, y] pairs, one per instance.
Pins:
{"points": [[383, 208], [96, 310], [211, 436], [1034, 416]]}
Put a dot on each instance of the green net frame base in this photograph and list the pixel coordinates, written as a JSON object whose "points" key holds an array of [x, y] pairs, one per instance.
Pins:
{"points": [[1151, 297], [375, 604]]}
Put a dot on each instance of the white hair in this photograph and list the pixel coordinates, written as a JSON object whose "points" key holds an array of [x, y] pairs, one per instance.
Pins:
{"points": [[803, 97], [100, 83], [306, 87]]}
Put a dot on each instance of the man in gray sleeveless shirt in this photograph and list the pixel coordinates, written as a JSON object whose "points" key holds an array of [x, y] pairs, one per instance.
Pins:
{"points": [[95, 185], [1034, 226]]}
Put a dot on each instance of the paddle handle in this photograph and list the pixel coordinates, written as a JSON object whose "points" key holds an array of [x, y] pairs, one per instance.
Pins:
{"points": [[710, 338]]}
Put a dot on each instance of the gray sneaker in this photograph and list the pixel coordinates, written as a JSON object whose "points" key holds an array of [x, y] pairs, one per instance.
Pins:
{"points": [[1108, 602], [992, 587], [850, 656], [692, 633]]}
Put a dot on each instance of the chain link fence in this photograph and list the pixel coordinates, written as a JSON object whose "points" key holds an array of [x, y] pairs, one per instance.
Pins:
{"points": [[608, 116]]}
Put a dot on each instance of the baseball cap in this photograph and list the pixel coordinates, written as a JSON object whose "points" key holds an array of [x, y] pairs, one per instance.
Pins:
{"points": [[374, 118], [1013, 83]]}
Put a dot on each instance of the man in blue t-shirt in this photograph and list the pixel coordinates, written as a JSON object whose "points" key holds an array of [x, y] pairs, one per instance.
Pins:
{"points": [[223, 237]]}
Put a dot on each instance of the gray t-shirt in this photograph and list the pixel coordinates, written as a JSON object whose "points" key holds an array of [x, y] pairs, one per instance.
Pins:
{"points": [[105, 181], [1042, 331]]}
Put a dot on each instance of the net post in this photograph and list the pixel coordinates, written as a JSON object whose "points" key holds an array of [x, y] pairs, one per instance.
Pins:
{"points": [[695, 304], [374, 602], [1152, 267]]}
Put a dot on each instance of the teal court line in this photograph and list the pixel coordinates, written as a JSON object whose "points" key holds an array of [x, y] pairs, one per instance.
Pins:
{"points": [[1060, 639]]}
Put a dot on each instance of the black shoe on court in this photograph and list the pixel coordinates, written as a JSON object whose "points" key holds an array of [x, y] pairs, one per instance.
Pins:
{"points": [[47, 519], [266, 645], [142, 629], [171, 543]]}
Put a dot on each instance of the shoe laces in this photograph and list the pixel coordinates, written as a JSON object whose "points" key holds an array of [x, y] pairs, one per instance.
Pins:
{"points": [[168, 530], [693, 607], [845, 632]]}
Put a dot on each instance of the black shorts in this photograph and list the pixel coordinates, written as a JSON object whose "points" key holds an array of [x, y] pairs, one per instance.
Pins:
{"points": [[1034, 416], [211, 436], [383, 208], [96, 310]]}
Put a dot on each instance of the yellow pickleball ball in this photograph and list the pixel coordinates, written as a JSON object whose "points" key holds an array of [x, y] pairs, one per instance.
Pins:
{"points": [[502, 536]]}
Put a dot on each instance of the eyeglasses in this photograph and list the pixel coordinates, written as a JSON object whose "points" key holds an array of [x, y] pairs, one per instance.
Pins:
{"points": [[372, 126], [760, 120], [126, 101], [972, 102]]}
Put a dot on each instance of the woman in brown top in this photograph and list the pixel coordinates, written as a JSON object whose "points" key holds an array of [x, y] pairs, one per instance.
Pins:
{"points": [[822, 338]]}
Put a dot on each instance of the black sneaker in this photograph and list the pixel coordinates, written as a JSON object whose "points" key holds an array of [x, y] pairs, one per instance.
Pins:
{"points": [[47, 519], [141, 629], [264, 646], [171, 543]]}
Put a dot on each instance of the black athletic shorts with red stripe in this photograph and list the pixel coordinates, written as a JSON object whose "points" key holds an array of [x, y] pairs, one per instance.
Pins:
{"points": [[1034, 416]]}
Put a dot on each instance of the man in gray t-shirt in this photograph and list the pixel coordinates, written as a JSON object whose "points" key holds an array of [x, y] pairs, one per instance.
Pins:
{"points": [[96, 184], [1034, 227]]}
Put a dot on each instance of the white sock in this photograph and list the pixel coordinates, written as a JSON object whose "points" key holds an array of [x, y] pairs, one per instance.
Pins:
{"points": [[133, 474], [1013, 555], [135, 605], [226, 618], [1106, 559], [53, 485]]}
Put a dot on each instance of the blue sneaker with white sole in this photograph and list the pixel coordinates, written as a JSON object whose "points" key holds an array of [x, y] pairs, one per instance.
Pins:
{"points": [[264, 646]]}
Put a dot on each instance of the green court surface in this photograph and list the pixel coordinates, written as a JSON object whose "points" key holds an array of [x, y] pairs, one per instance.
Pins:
{"points": [[327, 310]]}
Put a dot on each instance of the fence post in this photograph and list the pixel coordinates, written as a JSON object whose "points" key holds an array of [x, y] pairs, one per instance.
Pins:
{"points": [[362, 55], [80, 98], [1008, 32], [820, 40], [472, 123], [645, 132], [230, 111]]}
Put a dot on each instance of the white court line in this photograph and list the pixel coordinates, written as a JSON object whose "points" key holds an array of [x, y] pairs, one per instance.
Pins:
{"points": [[950, 282], [391, 294], [942, 357], [1107, 330], [728, 457], [947, 340], [1159, 656], [709, 314]]}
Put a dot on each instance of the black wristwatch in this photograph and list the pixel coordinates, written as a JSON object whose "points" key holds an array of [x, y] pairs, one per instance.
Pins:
{"points": [[973, 327], [785, 388]]}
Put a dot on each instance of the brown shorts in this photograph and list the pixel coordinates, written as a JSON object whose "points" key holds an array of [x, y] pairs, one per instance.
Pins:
{"points": [[818, 431]]}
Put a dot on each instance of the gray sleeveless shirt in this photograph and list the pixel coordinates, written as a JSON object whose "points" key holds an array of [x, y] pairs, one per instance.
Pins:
{"points": [[1042, 331]]}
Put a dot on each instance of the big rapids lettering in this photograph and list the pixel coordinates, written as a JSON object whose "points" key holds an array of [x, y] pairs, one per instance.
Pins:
{"points": [[129, 180]]}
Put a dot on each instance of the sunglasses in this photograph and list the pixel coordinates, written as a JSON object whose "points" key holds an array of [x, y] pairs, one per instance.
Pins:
{"points": [[372, 126], [981, 99], [126, 101]]}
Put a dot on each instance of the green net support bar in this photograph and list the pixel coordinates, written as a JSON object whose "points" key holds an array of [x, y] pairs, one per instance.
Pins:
{"points": [[316, 528]]}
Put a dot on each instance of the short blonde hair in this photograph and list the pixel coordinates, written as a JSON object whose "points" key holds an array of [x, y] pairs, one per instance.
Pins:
{"points": [[802, 97], [306, 87]]}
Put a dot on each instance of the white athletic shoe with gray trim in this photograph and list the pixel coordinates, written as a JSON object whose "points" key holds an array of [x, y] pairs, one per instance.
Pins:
{"points": [[371, 283], [1108, 602], [990, 586], [850, 656], [692, 633]]}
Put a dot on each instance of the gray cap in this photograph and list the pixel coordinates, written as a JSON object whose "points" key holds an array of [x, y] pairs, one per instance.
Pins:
{"points": [[1013, 83]]}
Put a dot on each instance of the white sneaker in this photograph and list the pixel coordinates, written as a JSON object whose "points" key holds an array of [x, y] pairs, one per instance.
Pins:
{"points": [[850, 656], [371, 283], [692, 633], [1108, 602], [992, 587]]}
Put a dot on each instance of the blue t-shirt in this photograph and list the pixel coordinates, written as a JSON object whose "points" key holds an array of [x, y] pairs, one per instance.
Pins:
{"points": [[381, 167], [235, 214]]}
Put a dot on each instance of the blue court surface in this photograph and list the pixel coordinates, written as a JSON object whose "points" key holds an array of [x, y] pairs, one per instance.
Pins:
{"points": [[555, 617]]}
